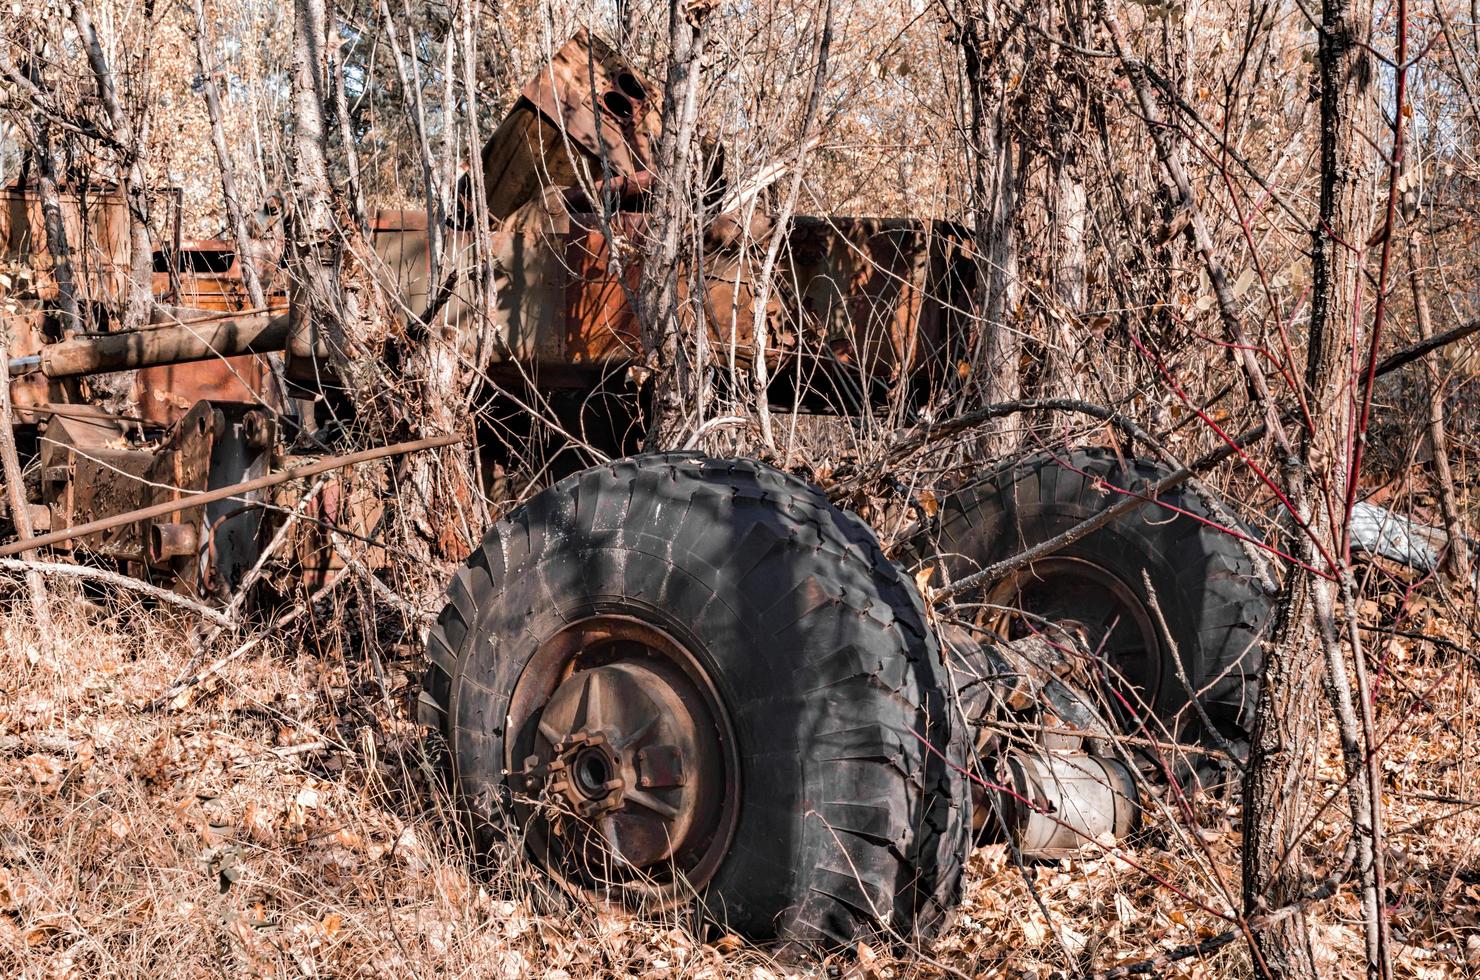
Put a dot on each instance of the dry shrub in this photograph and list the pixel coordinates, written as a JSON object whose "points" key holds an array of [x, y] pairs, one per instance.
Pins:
{"points": [[283, 821], [271, 826]]}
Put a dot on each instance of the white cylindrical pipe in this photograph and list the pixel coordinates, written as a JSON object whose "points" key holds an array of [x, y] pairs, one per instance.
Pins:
{"points": [[1061, 801]]}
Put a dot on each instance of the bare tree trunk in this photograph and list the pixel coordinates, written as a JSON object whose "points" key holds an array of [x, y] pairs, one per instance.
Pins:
{"points": [[1058, 198], [315, 245], [131, 172], [235, 216], [760, 371], [1283, 752], [624, 25], [1284, 746], [354, 191], [10, 467], [1457, 558], [1071, 291], [57, 245], [996, 187], [669, 222], [411, 100]]}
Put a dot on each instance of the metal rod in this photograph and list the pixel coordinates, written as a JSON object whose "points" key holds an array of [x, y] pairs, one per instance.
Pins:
{"points": [[81, 410], [223, 493], [171, 339], [174, 344]]}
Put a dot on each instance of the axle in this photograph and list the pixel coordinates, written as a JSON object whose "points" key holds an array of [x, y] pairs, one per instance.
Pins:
{"points": [[1064, 789]]}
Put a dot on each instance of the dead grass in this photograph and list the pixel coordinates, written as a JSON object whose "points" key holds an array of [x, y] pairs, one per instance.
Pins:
{"points": [[282, 822]]}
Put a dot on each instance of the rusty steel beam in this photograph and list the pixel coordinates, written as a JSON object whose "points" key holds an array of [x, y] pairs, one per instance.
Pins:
{"points": [[223, 493]]}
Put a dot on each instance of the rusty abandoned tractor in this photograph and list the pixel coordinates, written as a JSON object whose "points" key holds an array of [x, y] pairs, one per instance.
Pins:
{"points": [[679, 680]]}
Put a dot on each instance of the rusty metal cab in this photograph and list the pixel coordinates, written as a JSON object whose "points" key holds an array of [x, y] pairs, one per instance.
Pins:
{"points": [[206, 275], [188, 427], [203, 276]]}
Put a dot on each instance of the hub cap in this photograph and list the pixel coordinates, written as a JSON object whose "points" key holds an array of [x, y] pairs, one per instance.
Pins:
{"points": [[622, 761], [1077, 602]]}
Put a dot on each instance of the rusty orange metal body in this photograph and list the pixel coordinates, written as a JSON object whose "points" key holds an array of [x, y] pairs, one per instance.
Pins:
{"points": [[96, 224], [544, 293], [203, 275], [874, 295], [588, 100]]}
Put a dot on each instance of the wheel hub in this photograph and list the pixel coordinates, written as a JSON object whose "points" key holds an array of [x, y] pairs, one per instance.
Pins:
{"points": [[1079, 603], [623, 771], [583, 769]]}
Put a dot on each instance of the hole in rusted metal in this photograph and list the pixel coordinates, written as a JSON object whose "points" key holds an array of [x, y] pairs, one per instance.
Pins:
{"points": [[631, 87], [617, 104]]}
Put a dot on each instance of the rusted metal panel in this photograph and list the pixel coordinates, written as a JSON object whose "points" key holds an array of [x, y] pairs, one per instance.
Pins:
{"points": [[91, 470], [871, 288], [88, 466], [869, 293], [403, 246], [530, 278], [392, 219], [524, 318], [97, 230], [588, 93], [204, 274], [874, 292], [600, 324], [111, 483], [96, 223], [163, 394], [27, 338]]}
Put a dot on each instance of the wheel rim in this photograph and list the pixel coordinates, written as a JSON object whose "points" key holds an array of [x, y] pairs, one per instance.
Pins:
{"points": [[622, 762], [1083, 599]]}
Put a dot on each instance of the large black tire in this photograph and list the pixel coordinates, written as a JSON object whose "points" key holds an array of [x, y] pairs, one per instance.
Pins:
{"points": [[852, 819], [1205, 585]]}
